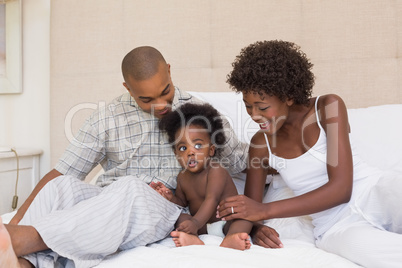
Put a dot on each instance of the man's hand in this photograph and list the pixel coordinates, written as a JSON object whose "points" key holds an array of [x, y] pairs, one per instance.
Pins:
{"points": [[265, 236], [162, 190]]}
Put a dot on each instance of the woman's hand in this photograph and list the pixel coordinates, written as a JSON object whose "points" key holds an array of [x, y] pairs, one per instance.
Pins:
{"points": [[265, 236], [241, 207]]}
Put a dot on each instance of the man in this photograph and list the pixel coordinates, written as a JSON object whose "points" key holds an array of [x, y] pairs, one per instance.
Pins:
{"points": [[84, 223]]}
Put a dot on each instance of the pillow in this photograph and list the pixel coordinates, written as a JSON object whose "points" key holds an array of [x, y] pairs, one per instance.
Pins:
{"points": [[376, 131], [231, 105]]}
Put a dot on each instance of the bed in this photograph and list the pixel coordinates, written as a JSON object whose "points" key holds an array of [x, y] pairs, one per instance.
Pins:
{"points": [[377, 136]]}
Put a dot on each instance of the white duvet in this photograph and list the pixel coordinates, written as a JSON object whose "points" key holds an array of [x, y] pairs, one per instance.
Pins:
{"points": [[295, 233]]}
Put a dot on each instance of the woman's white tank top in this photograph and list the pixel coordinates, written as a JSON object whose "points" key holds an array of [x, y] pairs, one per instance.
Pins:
{"points": [[308, 172]]}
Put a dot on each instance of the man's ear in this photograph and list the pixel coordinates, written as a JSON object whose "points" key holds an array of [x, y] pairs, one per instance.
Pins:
{"points": [[212, 149], [125, 85], [128, 89]]}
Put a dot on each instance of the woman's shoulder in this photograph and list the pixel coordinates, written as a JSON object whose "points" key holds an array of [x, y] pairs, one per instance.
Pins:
{"points": [[331, 109], [258, 138], [258, 145], [327, 99]]}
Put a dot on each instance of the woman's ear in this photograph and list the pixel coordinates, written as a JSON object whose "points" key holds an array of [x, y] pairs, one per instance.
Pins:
{"points": [[290, 102], [212, 150]]}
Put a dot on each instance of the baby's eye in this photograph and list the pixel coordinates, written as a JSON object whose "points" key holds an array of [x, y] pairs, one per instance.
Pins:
{"points": [[198, 146], [263, 108], [182, 148]]}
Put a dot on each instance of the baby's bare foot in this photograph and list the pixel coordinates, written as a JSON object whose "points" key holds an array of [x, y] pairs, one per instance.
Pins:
{"points": [[8, 259], [182, 239], [239, 241]]}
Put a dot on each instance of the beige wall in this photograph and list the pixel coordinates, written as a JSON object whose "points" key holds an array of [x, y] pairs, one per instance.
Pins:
{"points": [[24, 118], [356, 47]]}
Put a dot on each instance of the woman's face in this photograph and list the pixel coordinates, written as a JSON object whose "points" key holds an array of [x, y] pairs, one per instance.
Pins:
{"points": [[268, 111]]}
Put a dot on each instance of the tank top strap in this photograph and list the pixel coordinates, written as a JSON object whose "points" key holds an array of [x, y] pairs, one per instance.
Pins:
{"points": [[316, 112], [266, 140], [318, 123]]}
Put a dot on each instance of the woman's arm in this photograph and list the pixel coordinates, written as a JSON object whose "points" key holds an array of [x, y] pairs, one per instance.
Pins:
{"points": [[338, 189], [333, 118], [257, 171], [258, 168]]}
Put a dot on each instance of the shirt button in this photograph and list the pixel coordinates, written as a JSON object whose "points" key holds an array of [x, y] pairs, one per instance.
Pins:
{"points": [[161, 142], [161, 171]]}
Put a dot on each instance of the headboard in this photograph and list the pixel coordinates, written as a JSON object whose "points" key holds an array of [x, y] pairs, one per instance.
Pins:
{"points": [[356, 47]]}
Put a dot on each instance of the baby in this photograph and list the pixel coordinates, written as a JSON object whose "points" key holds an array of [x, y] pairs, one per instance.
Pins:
{"points": [[196, 134]]}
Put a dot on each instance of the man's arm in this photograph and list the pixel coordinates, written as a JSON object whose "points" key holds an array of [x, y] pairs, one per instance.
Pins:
{"points": [[21, 211]]}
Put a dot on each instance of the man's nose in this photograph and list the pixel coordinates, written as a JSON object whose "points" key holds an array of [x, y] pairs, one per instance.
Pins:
{"points": [[160, 104]]}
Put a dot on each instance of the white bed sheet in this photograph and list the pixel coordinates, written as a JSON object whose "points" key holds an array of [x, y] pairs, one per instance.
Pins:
{"points": [[296, 234], [295, 254]]}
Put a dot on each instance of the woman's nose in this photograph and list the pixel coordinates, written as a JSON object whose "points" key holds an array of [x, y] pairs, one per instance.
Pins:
{"points": [[255, 115]]}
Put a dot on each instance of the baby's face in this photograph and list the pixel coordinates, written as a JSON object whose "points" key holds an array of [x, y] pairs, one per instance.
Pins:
{"points": [[193, 148]]}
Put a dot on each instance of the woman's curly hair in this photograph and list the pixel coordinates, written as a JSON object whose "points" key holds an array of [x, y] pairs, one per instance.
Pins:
{"points": [[277, 68], [203, 115]]}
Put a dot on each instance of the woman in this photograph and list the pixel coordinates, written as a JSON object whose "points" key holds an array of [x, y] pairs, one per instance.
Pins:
{"points": [[307, 141]]}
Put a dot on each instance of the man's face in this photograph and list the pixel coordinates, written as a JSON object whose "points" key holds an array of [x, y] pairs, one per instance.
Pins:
{"points": [[154, 95]]}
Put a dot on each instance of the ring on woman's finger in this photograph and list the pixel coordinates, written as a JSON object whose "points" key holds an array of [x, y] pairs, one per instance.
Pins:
{"points": [[232, 210]]}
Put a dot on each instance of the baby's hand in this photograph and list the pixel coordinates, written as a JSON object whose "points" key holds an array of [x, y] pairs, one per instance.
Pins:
{"points": [[162, 190], [154, 186], [188, 226]]}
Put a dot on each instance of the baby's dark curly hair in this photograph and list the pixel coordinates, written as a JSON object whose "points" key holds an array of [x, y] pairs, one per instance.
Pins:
{"points": [[277, 68], [203, 115]]}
